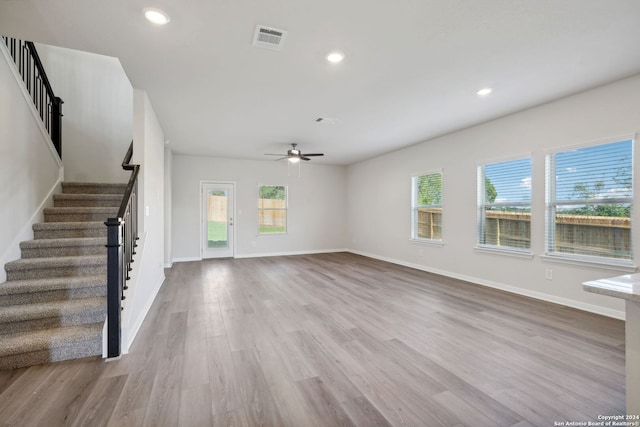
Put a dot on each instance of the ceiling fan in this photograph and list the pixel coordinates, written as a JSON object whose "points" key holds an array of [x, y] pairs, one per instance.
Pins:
{"points": [[294, 155]]}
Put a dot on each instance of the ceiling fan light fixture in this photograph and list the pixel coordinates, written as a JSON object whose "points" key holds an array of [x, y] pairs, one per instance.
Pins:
{"points": [[156, 16], [484, 91], [294, 159]]}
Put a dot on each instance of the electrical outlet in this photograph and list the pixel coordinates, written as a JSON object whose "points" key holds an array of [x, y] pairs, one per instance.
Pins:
{"points": [[548, 274]]}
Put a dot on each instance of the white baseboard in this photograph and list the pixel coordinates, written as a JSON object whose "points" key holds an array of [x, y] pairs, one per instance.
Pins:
{"points": [[290, 253], [188, 259], [26, 233], [616, 314], [268, 254], [168, 265]]}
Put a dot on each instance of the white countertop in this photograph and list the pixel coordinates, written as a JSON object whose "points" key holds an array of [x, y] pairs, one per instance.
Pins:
{"points": [[626, 287]]}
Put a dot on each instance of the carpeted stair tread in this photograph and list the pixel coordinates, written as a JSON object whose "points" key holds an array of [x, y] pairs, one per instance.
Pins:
{"points": [[57, 309], [69, 246], [63, 242], [69, 225], [28, 286], [65, 266], [80, 209], [55, 262], [28, 348], [92, 188], [58, 230], [97, 200], [74, 214], [34, 291]]}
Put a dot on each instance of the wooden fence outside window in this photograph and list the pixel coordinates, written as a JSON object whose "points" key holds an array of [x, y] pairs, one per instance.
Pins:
{"points": [[579, 234]]}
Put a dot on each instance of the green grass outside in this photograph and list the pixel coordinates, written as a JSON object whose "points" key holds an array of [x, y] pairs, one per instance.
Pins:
{"points": [[217, 234], [265, 229]]}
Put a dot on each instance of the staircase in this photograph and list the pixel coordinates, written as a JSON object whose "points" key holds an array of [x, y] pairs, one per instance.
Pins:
{"points": [[53, 305]]}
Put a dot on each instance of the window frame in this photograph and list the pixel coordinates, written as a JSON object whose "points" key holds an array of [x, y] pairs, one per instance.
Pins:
{"points": [[285, 209], [414, 208], [551, 203], [481, 205]]}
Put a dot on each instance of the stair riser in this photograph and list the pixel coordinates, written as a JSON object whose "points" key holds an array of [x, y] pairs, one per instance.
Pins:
{"points": [[85, 270], [64, 251], [77, 217], [86, 317], [69, 203], [70, 233], [91, 189], [75, 351], [51, 296]]}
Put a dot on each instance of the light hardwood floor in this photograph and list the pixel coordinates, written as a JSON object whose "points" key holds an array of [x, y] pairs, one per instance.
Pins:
{"points": [[333, 340]]}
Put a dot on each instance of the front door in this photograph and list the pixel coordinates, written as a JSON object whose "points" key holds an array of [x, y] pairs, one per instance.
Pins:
{"points": [[217, 220]]}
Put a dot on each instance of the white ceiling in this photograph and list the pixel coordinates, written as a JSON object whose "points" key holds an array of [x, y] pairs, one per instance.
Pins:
{"points": [[411, 71]]}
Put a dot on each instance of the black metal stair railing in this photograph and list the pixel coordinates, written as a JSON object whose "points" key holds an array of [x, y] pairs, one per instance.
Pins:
{"points": [[49, 106], [122, 234]]}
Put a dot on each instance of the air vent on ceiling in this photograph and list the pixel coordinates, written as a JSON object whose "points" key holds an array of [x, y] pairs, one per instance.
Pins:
{"points": [[269, 38]]}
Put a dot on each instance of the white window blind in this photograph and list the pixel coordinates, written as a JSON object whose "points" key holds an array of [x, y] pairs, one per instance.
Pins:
{"points": [[504, 205], [426, 206], [272, 209], [589, 194]]}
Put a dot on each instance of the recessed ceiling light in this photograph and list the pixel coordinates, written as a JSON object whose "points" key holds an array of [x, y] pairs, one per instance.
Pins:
{"points": [[335, 57], [156, 16], [484, 92]]}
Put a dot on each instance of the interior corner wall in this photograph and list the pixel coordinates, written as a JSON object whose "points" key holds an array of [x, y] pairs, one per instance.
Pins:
{"points": [[148, 273], [97, 126], [316, 200], [168, 166], [29, 168], [379, 195]]}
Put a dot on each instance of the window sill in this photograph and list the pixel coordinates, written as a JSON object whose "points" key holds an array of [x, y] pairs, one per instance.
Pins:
{"points": [[272, 234], [516, 253], [605, 264], [427, 242]]}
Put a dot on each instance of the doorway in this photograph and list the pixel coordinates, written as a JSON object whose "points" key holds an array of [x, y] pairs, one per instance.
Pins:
{"points": [[218, 209]]}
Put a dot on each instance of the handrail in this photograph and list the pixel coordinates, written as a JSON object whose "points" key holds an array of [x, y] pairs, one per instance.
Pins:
{"points": [[49, 106], [133, 180], [122, 234]]}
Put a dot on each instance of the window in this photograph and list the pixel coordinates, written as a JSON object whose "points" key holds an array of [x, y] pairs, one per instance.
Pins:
{"points": [[589, 195], [272, 209], [427, 206], [504, 205]]}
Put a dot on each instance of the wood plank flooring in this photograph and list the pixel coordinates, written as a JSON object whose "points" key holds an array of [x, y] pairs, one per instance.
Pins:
{"points": [[334, 340]]}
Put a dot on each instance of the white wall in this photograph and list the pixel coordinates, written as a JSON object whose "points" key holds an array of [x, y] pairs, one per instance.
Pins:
{"points": [[316, 216], [148, 274], [168, 202], [97, 126], [30, 170], [379, 195]]}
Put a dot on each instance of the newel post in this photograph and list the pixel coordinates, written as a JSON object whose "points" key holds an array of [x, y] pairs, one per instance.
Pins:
{"points": [[114, 285]]}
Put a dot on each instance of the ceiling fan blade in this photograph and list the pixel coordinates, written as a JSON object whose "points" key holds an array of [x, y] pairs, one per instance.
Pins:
{"points": [[281, 158], [271, 154], [313, 154], [304, 158]]}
